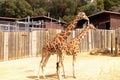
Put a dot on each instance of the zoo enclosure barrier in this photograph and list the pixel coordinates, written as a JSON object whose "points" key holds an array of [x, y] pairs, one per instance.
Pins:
{"points": [[15, 44]]}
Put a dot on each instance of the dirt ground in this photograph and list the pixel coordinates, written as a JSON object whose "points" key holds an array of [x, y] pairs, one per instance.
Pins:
{"points": [[88, 68]]}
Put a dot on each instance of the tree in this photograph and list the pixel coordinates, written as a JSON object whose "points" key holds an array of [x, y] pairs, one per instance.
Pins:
{"points": [[100, 5], [65, 9], [115, 7], [15, 8], [23, 8], [68, 18], [57, 8], [108, 4], [38, 7], [8, 8]]}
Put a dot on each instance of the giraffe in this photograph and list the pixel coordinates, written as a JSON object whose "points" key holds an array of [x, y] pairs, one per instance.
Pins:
{"points": [[72, 48], [54, 46]]}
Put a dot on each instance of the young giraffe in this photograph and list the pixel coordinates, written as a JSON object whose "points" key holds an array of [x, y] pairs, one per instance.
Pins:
{"points": [[54, 46], [72, 47]]}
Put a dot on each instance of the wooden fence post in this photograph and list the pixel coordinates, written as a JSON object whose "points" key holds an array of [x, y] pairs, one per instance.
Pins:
{"points": [[47, 35], [112, 42], [73, 35], [119, 41], [90, 42], [5, 46], [34, 46], [30, 44], [116, 46]]}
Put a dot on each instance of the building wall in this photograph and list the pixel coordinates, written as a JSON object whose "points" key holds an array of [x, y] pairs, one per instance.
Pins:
{"points": [[115, 21], [101, 26], [52, 25], [100, 21], [4, 22], [103, 21]]}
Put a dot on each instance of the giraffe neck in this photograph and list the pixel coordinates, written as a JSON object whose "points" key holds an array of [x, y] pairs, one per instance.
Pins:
{"points": [[80, 36], [73, 24], [65, 33], [68, 30]]}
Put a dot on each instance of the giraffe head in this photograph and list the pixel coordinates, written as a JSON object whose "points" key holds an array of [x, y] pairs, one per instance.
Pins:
{"points": [[91, 26], [82, 15]]}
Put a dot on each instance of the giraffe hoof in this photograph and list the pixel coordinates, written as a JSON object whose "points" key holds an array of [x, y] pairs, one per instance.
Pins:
{"points": [[64, 76], [37, 79], [74, 77]]}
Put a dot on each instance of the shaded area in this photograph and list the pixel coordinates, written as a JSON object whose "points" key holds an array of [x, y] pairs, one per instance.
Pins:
{"points": [[49, 76]]}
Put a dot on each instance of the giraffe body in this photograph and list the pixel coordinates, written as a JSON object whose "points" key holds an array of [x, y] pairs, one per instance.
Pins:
{"points": [[55, 46], [72, 47]]}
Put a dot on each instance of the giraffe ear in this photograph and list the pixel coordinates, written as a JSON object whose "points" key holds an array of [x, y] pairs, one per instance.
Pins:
{"points": [[84, 16], [92, 27]]}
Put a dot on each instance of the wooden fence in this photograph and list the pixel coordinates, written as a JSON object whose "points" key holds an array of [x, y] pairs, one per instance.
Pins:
{"points": [[15, 45]]}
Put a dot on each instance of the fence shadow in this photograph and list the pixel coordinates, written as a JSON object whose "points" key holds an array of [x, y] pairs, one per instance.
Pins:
{"points": [[48, 76]]}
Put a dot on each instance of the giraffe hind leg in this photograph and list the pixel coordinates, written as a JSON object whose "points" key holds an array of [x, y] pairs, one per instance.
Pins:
{"points": [[59, 71], [57, 67], [74, 66], [63, 69], [43, 64], [60, 66], [42, 72], [40, 66]]}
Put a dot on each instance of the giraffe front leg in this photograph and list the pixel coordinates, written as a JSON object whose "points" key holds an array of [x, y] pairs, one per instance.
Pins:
{"points": [[62, 66], [59, 72], [63, 69], [74, 66], [38, 72], [57, 64], [40, 66]]}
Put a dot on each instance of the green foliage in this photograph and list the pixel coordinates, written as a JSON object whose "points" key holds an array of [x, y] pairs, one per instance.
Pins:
{"points": [[8, 8], [108, 4], [15, 8], [38, 7], [68, 18], [115, 8], [66, 9], [57, 8], [100, 5], [113, 5], [23, 8], [88, 9], [39, 12]]}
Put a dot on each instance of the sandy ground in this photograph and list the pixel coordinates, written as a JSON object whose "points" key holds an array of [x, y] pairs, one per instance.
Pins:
{"points": [[88, 68]]}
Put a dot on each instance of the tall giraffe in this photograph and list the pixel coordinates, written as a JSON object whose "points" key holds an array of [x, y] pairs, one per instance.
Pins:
{"points": [[72, 47], [54, 46]]}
